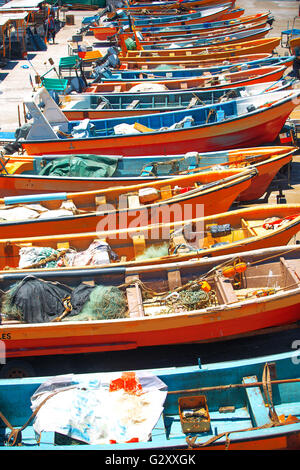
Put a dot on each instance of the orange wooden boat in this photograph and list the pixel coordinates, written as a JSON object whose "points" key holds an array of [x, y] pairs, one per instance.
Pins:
{"points": [[207, 82], [201, 193], [140, 246], [267, 45], [264, 302], [191, 41], [238, 60], [179, 36], [21, 175]]}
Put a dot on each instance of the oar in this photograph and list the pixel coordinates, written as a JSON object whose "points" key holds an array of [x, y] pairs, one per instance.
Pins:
{"points": [[274, 83], [232, 386]]}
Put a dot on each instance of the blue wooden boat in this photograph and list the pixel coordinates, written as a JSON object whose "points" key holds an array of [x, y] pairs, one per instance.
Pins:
{"points": [[110, 33], [156, 74], [209, 14], [207, 26], [249, 404], [111, 105]]}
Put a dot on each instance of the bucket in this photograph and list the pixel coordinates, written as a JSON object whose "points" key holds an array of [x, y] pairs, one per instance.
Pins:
{"points": [[70, 20]]}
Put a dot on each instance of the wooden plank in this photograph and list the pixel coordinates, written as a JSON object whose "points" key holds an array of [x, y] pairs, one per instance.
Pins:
{"points": [[225, 289], [139, 244], [174, 279], [134, 298], [100, 200], [193, 102], [166, 192], [133, 104], [258, 409], [289, 271], [63, 245], [101, 105]]}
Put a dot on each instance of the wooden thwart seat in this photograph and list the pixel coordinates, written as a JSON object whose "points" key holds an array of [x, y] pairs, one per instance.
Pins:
{"points": [[101, 105], [225, 289], [133, 104], [245, 225], [290, 274], [134, 298], [174, 279], [257, 408]]}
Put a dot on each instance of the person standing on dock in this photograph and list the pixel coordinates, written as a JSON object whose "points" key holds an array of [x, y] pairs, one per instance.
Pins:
{"points": [[50, 29]]}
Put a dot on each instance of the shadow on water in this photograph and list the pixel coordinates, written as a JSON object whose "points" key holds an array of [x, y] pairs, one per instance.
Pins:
{"points": [[168, 356]]}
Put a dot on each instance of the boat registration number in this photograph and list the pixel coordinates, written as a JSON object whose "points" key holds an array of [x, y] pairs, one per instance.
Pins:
{"points": [[5, 336]]}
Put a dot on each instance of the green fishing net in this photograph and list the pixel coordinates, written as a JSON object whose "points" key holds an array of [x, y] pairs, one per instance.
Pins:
{"points": [[105, 303], [8, 308], [154, 252]]}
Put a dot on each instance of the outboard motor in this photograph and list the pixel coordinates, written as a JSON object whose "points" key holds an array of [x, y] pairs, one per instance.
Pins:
{"points": [[76, 84], [21, 133]]}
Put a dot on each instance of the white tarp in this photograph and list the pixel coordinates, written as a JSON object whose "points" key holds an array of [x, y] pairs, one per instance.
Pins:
{"points": [[90, 412]]}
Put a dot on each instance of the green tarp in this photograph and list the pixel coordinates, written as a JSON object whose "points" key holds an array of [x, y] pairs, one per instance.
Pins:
{"points": [[89, 166]]}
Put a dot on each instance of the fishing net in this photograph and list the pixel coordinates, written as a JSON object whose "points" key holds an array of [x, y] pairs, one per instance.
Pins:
{"points": [[194, 300], [36, 301], [154, 252], [105, 303], [33, 300]]}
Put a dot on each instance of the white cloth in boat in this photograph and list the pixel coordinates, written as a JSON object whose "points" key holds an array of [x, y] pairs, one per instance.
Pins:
{"points": [[36, 211], [93, 414]]}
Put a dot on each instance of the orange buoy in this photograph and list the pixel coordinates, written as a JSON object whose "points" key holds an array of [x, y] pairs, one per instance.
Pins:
{"points": [[229, 271], [240, 267], [205, 286]]}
